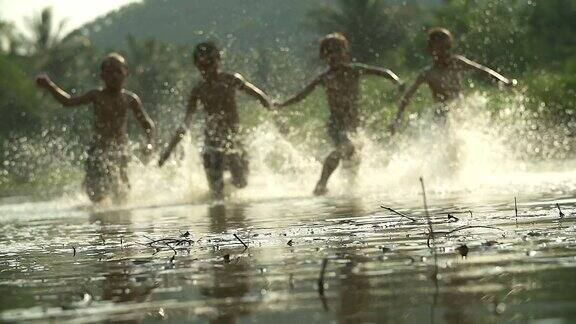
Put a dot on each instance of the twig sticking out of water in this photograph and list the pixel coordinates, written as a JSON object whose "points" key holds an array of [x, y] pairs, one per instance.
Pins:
{"points": [[245, 246], [74, 251], [432, 248], [430, 230], [398, 213], [321, 278], [516, 209], [561, 214]]}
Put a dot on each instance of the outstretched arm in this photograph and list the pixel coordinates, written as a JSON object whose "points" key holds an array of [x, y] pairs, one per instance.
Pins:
{"points": [[181, 131], [44, 82], [302, 94], [145, 121], [406, 98], [377, 71], [485, 71], [252, 90]]}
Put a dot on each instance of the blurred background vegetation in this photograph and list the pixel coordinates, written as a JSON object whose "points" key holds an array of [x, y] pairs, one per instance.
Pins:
{"points": [[274, 44]]}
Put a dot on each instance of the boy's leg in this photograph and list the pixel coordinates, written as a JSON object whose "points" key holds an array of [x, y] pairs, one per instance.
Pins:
{"points": [[330, 165], [344, 150], [94, 182], [214, 168], [119, 178], [238, 163]]}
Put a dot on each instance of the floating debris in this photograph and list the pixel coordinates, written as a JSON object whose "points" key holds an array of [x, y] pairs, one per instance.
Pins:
{"points": [[516, 208], [398, 213], [453, 218], [561, 214], [489, 243], [290, 243], [463, 250], [245, 246]]}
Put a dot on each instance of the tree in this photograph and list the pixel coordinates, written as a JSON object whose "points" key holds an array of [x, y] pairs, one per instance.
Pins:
{"points": [[480, 33], [46, 34], [375, 28]]}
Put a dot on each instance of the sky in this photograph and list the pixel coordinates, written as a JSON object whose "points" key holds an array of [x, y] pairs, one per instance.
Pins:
{"points": [[77, 12]]}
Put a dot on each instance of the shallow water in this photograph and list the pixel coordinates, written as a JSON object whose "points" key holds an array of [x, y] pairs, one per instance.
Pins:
{"points": [[379, 267], [62, 260]]}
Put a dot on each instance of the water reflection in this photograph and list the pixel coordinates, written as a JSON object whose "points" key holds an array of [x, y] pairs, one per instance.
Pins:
{"points": [[230, 278], [124, 271], [354, 287]]}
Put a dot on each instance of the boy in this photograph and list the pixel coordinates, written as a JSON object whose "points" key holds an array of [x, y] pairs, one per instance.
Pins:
{"points": [[444, 76], [341, 82], [106, 175], [222, 146]]}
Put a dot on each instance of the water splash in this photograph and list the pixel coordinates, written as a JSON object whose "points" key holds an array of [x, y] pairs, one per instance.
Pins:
{"points": [[474, 153]]}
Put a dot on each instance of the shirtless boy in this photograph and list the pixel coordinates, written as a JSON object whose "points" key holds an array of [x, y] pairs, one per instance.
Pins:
{"points": [[342, 85], [222, 146], [106, 166], [444, 76]]}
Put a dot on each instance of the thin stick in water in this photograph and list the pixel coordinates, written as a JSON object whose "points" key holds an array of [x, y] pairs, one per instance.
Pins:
{"points": [[561, 214], [321, 278], [245, 246], [430, 230], [398, 213], [516, 208]]}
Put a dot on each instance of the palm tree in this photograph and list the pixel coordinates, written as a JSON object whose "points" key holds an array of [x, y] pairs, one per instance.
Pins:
{"points": [[374, 27], [46, 34]]}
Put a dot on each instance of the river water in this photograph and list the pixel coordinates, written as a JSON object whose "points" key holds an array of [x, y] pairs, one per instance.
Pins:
{"points": [[63, 260]]}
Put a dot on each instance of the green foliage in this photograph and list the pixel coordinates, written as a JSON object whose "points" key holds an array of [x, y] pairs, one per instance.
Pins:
{"points": [[19, 104], [552, 25], [375, 28], [491, 31], [273, 43]]}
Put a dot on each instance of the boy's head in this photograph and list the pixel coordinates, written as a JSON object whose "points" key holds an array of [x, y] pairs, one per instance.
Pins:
{"points": [[439, 41], [206, 56], [114, 71], [334, 48]]}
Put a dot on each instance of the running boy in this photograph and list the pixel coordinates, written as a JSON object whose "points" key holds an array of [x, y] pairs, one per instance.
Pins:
{"points": [[341, 82], [444, 75], [106, 174], [222, 146]]}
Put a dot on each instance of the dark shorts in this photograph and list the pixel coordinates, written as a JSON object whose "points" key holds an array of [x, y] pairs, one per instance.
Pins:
{"points": [[218, 158], [106, 173]]}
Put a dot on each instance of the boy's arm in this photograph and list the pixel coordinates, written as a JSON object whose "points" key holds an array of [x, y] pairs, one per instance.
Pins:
{"points": [[405, 101], [145, 121], [377, 71], [486, 71], [304, 93], [252, 90], [181, 131], [44, 82]]}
